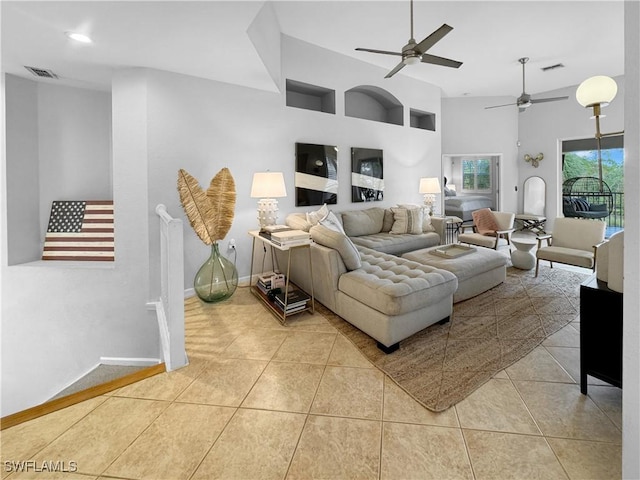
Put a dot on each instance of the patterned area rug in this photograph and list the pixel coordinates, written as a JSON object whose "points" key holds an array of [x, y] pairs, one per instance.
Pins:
{"points": [[442, 364]]}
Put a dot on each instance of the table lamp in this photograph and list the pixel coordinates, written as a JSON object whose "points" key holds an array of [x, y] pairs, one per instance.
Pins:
{"points": [[429, 186], [267, 186]]}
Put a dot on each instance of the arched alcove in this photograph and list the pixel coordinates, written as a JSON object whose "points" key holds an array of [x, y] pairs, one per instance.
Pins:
{"points": [[373, 103]]}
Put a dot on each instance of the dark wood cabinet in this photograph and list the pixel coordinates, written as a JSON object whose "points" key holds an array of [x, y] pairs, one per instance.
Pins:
{"points": [[600, 333]]}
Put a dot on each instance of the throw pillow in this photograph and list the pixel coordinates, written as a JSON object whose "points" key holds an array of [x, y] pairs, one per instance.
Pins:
{"points": [[331, 222], [427, 226], [426, 218], [338, 241], [363, 222], [406, 220], [316, 217], [298, 221], [484, 221]]}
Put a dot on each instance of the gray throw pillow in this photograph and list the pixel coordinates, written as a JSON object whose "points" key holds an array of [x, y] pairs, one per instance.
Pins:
{"points": [[338, 241], [363, 222]]}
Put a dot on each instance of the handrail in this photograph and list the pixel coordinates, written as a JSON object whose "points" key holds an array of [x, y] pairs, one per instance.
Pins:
{"points": [[170, 305], [161, 210]]}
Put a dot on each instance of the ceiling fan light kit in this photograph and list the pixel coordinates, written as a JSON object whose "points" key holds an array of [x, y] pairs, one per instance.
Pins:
{"points": [[413, 52]]}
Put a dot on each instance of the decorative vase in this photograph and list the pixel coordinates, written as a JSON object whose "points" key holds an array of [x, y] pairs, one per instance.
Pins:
{"points": [[217, 278]]}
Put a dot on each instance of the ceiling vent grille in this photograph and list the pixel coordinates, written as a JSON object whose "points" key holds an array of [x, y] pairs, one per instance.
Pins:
{"points": [[552, 67], [41, 72]]}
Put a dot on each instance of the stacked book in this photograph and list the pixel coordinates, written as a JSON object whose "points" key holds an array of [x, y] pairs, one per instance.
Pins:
{"points": [[287, 237], [296, 301], [269, 281]]}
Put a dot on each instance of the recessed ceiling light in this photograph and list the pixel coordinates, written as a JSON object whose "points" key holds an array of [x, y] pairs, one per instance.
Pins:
{"points": [[78, 37]]}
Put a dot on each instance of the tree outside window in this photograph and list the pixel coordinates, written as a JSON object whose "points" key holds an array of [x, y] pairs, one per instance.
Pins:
{"points": [[585, 164], [476, 175]]}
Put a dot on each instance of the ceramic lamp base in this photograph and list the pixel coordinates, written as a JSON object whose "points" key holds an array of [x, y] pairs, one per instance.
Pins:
{"points": [[267, 211]]}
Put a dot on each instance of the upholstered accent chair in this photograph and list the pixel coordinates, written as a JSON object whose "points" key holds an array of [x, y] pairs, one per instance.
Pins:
{"points": [[490, 229], [574, 241]]}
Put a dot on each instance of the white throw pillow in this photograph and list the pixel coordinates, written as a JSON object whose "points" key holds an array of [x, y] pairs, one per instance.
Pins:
{"points": [[298, 221], [316, 217], [406, 220], [426, 218], [427, 226], [332, 223]]}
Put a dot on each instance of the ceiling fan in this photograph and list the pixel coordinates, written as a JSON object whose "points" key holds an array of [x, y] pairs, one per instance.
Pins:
{"points": [[413, 52], [524, 101]]}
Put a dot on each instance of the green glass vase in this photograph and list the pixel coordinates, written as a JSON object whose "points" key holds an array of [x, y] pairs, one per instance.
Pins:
{"points": [[217, 278]]}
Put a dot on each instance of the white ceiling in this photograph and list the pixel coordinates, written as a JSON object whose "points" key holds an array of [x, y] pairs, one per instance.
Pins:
{"points": [[209, 39]]}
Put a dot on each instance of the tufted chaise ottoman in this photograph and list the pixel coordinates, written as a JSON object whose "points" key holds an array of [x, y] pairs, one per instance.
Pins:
{"points": [[391, 298], [477, 272]]}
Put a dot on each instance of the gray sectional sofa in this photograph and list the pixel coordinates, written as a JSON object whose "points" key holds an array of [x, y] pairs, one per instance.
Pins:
{"points": [[374, 268], [361, 276]]}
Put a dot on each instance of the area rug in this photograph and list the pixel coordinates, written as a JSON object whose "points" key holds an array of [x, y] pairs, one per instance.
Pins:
{"points": [[443, 364]]}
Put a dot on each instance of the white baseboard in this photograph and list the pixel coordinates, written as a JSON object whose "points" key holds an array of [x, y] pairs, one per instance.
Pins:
{"points": [[129, 362]]}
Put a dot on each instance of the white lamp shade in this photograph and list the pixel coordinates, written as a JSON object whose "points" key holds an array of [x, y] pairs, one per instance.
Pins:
{"points": [[596, 90], [268, 185], [429, 185]]}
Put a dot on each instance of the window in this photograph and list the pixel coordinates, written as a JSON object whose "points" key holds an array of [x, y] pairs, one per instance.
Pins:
{"points": [[580, 159], [476, 175]]}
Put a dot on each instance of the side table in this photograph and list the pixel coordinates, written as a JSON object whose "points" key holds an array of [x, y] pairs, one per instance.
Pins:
{"points": [[522, 257], [271, 304], [453, 228]]}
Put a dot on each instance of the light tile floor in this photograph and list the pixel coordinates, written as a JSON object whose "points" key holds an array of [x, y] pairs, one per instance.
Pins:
{"points": [[261, 400]]}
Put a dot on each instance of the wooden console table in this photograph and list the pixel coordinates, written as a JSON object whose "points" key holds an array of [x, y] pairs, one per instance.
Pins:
{"points": [[600, 333]]}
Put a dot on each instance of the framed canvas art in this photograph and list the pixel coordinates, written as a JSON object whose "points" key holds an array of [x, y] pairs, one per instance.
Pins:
{"points": [[316, 177], [367, 180]]}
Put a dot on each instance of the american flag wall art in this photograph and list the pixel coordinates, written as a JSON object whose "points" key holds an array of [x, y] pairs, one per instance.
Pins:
{"points": [[80, 230]]}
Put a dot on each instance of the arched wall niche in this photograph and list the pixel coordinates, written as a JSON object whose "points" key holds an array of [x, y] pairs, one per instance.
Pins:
{"points": [[373, 103]]}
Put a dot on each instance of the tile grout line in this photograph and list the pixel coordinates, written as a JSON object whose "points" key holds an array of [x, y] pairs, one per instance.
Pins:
{"points": [[308, 414]]}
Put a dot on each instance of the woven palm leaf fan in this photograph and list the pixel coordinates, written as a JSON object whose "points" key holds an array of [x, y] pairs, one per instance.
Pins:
{"points": [[222, 196], [210, 213]]}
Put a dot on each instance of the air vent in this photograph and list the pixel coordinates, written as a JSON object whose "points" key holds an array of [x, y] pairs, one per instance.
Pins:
{"points": [[552, 67], [41, 72]]}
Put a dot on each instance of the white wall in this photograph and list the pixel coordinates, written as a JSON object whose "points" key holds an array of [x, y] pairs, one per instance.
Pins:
{"points": [[631, 334], [22, 232], [74, 143], [57, 320], [543, 126], [469, 128], [203, 126]]}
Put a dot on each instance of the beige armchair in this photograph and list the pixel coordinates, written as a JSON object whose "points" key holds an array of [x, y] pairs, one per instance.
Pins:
{"points": [[490, 229], [573, 242]]}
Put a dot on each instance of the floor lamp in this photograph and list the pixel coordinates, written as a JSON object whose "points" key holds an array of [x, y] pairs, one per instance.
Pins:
{"points": [[597, 92]]}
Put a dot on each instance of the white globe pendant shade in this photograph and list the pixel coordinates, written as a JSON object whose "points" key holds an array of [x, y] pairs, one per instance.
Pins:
{"points": [[596, 90]]}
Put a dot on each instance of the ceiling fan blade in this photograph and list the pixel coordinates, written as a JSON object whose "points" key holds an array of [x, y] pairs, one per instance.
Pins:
{"points": [[542, 100], [384, 52], [445, 62], [497, 106], [432, 39], [395, 70]]}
